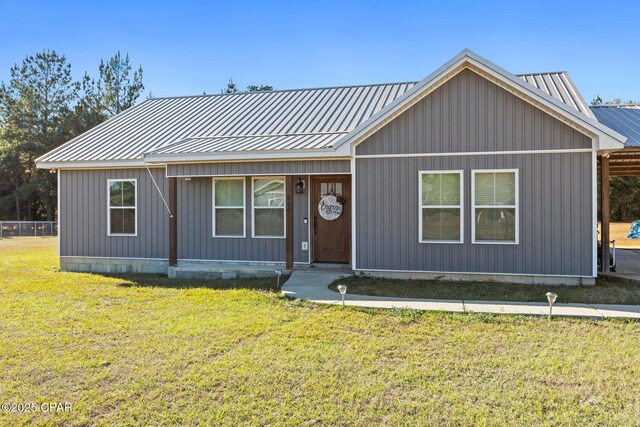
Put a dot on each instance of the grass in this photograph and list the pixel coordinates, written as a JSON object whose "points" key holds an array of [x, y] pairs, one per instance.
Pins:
{"points": [[606, 291], [133, 351]]}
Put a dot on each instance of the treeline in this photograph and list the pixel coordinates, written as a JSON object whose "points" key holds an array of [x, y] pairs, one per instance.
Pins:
{"points": [[41, 107], [625, 198]]}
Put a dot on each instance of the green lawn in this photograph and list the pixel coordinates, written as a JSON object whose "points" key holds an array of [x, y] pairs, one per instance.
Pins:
{"points": [[612, 291], [159, 352]]}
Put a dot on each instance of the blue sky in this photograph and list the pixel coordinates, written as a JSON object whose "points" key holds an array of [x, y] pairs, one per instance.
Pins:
{"points": [[187, 47]]}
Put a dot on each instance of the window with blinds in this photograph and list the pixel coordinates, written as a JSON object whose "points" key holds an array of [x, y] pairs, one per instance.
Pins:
{"points": [[441, 207], [495, 206], [229, 207], [269, 207]]}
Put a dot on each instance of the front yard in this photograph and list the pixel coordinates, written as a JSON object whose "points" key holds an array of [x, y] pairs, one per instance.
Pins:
{"points": [[151, 351]]}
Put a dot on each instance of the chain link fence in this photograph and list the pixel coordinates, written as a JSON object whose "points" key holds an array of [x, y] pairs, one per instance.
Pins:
{"points": [[28, 228]]}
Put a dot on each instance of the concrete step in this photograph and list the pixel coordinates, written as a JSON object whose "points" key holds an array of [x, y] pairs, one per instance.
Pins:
{"points": [[210, 270]]}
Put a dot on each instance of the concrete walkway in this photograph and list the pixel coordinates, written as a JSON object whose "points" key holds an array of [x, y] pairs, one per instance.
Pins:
{"points": [[314, 286]]}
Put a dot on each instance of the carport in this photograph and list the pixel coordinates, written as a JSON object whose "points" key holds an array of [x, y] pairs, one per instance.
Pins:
{"points": [[626, 162]]}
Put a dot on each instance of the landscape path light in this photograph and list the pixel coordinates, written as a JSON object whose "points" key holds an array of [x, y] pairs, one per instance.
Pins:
{"points": [[551, 297], [343, 291]]}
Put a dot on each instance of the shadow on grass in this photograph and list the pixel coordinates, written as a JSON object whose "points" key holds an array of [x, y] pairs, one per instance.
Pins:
{"points": [[160, 281]]}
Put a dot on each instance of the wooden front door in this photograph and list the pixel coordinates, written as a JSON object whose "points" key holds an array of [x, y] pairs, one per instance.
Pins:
{"points": [[331, 214]]}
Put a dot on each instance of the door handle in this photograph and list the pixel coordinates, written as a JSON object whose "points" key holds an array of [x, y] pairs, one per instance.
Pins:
{"points": [[315, 225]]}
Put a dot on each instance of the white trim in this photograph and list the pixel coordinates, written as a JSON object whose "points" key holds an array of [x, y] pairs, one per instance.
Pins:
{"points": [[109, 207], [254, 207], [364, 270], [281, 160], [475, 153], [594, 195], [460, 173], [58, 216], [516, 206], [261, 174], [324, 153], [93, 164], [214, 207]]}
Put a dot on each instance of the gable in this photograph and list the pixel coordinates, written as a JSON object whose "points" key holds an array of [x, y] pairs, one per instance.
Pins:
{"points": [[469, 113]]}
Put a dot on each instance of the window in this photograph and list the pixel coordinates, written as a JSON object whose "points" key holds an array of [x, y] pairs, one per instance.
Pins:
{"points": [[228, 207], [495, 206], [122, 216], [268, 207], [441, 207]]}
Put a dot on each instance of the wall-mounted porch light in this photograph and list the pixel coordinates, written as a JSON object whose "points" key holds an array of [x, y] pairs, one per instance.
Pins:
{"points": [[300, 186]]}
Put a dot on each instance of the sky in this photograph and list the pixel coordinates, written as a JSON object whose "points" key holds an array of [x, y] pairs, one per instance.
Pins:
{"points": [[191, 47]]}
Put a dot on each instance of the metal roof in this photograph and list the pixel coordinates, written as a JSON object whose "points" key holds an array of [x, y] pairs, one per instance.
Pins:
{"points": [[560, 86], [228, 119], [252, 143], [304, 119], [622, 119]]}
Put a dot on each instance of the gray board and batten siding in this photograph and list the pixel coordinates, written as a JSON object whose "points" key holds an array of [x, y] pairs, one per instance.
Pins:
{"points": [[195, 241], [260, 168], [470, 114], [83, 215]]}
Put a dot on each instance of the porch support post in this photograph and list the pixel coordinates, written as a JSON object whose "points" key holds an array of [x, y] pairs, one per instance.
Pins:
{"points": [[173, 222], [289, 223], [604, 203]]}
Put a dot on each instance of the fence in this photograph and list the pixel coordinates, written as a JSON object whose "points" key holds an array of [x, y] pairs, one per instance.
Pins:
{"points": [[28, 228]]}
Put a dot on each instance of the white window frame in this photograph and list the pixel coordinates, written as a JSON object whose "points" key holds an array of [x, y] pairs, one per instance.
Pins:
{"points": [[516, 206], [214, 207], [254, 207], [460, 206], [109, 207]]}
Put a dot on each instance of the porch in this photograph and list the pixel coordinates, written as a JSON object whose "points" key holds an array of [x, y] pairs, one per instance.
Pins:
{"points": [[250, 219]]}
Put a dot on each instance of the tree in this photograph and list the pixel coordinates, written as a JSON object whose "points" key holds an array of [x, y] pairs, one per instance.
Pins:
{"points": [[231, 87], [614, 102], [33, 108], [116, 88], [42, 107], [261, 88]]}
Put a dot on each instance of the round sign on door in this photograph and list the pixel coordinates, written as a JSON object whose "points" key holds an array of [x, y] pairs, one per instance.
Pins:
{"points": [[329, 208]]}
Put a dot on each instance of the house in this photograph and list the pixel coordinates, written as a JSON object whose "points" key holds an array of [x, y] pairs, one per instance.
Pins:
{"points": [[472, 172]]}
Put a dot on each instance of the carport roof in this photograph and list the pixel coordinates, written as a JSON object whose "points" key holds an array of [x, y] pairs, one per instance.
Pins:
{"points": [[623, 119]]}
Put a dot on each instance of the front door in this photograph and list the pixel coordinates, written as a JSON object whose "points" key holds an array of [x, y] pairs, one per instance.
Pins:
{"points": [[331, 213]]}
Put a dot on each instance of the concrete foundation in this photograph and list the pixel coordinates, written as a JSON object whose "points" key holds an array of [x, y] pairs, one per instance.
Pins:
{"points": [[113, 265], [500, 278]]}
